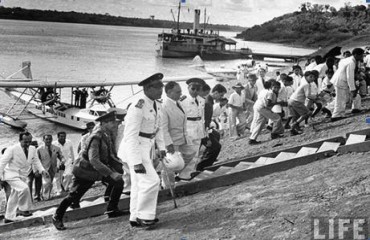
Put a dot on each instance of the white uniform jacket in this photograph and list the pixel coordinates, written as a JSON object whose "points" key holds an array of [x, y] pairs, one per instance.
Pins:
{"points": [[14, 165], [195, 117], [345, 75], [141, 118], [174, 123]]}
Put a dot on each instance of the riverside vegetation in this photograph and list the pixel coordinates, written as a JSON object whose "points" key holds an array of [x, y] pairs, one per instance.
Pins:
{"points": [[314, 25]]}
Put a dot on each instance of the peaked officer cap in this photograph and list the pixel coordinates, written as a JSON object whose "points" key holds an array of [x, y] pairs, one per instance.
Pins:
{"points": [[196, 80], [108, 117], [154, 77]]}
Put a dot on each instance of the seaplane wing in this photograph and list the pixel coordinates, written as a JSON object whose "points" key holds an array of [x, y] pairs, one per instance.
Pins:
{"points": [[26, 83]]}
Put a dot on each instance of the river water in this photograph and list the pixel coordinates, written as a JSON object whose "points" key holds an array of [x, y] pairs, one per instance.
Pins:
{"points": [[79, 52]]}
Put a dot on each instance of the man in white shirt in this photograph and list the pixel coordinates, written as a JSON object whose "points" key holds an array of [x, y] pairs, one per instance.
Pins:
{"points": [[15, 166], [63, 177], [250, 95], [262, 113], [236, 111], [296, 103], [296, 75], [344, 84], [260, 83]]}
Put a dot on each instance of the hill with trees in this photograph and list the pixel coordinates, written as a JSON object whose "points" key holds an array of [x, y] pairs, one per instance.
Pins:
{"points": [[103, 19], [314, 25]]}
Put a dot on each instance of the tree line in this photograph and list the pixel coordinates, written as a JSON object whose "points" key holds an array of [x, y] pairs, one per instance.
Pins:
{"points": [[103, 19], [313, 25]]}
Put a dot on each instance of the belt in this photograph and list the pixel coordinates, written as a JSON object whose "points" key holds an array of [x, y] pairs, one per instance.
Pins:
{"points": [[194, 118], [147, 135]]}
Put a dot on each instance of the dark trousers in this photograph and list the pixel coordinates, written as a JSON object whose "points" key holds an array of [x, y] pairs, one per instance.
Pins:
{"points": [[38, 183], [211, 152], [80, 187]]}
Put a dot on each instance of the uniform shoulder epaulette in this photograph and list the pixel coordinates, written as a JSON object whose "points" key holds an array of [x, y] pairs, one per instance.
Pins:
{"points": [[160, 100], [140, 103], [182, 98]]}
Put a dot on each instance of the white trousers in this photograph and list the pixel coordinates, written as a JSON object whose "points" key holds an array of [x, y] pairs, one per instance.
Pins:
{"points": [[59, 180], [190, 154], [259, 120], [126, 177], [144, 187], [233, 116], [20, 197], [343, 95]]}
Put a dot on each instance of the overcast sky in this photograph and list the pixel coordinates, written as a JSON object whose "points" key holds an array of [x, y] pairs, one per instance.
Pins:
{"points": [[234, 12]]}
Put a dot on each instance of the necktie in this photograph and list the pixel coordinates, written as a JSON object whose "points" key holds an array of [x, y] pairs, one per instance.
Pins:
{"points": [[50, 152], [155, 107], [178, 105], [196, 101], [25, 151]]}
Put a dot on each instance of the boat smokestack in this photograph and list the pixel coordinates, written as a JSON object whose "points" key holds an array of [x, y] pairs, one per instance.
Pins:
{"points": [[196, 20]]}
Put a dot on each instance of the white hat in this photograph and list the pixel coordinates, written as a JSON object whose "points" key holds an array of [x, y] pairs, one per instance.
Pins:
{"points": [[174, 161]]}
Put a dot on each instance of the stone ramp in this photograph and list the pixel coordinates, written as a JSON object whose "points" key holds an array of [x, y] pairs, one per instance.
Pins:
{"points": [[221, 174]]}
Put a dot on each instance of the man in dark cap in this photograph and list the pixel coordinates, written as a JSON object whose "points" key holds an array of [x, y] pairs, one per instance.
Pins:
{"points": [[143, 131], [194, 107], [97, 162]]}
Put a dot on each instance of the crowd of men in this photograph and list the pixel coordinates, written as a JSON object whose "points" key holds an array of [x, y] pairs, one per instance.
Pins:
{"points": [[154, 144]]}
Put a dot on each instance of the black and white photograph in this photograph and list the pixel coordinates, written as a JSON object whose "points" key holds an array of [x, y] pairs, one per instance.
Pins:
{"points": [[185, 119]]}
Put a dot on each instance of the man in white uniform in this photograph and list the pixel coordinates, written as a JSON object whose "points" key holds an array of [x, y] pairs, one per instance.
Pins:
{"points": [[15, 165], [194, 106], [64, 176], [344, 84], [142, 132]]}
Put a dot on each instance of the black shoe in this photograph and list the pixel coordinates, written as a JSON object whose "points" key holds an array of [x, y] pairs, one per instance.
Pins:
{"points": [[146, 223], [294, 132], [24, 213], [8, 220], [115, 213], [127, 193], [75, 206], [253, 142], [287, 127], [269, 128], [334, 119], [355, 111], [275, 136], [58, 223], [37, 199]]}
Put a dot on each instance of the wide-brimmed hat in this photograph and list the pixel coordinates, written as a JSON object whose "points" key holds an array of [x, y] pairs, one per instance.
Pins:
{"points": [[238, 85]]}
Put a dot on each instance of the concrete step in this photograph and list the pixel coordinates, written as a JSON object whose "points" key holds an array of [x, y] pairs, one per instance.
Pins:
{"points": [[241, 167], [355, 138], [85, 203], [221, 171], [43, 213], [203, 175], [264, 160], [305, 151], [326, 146], [283, 156]]}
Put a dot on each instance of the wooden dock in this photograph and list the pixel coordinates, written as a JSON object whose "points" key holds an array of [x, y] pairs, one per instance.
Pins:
{"points": [[285, 57]]}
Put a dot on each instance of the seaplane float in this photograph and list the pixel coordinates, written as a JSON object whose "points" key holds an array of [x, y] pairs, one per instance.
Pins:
{"points": [[43, 99]]}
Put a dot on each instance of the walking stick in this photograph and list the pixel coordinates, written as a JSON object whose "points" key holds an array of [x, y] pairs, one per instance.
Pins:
{"points": [[169, 183]]}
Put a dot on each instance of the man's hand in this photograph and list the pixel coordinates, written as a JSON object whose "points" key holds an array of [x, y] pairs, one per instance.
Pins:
{"points": [[45, 174], [354, 93], [170, 148], [162, 153], [139, 168], [116, 176], [37, 174]]}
